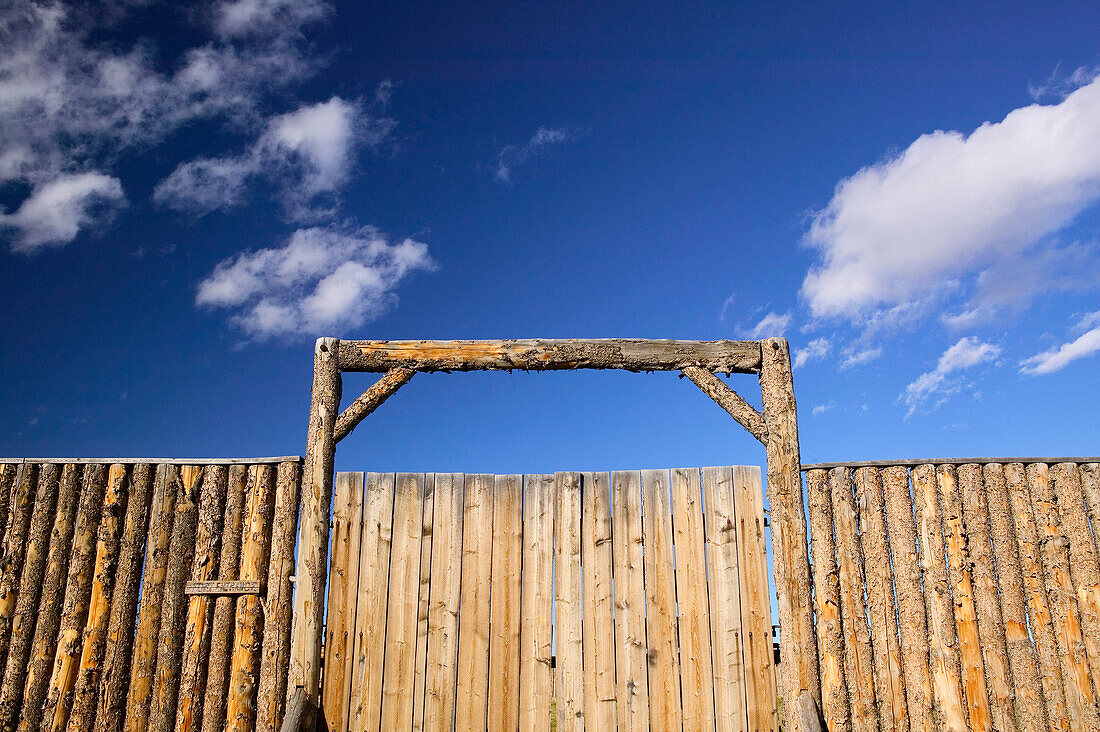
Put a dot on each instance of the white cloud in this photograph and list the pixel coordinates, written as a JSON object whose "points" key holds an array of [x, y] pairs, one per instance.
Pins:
{"points": [[309, 152], [859, 356], [771, 325], [1059, 86], [815, 350], [239, 18], [322, 280], [820, 409], [966, 353], [55, 211], [511, 156], [951, 209], [1057, 358]]}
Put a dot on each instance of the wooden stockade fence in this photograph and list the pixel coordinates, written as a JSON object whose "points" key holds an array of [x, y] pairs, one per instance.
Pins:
{"points": [[957, 595], [629, 600], [114, 612]]}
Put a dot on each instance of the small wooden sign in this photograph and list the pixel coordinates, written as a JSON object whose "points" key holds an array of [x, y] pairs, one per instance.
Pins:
{"points": [[235, 587]]}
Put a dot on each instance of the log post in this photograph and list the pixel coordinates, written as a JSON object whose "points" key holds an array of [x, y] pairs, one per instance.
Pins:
{"points": [[798, 649], [313, 534]]}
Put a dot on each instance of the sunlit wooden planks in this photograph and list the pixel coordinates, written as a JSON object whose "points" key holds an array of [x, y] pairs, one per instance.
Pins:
{"points": [[598, 614], [504, 611], [568, 589], [536, 601], [471, 702], [631, 683], [343, 592], [660, 586], [441, 664]]}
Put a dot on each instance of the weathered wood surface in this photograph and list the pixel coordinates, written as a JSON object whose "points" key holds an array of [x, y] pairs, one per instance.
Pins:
{"points": [[835, 704], [15, 549], [632, 686], [343, 593], [422, 605], [660, 586], [568, 604], [598, 615], [790, 550], [442, 657], [370, 400], [471, 702], [631, 354], [504, 607], [729, 400]]}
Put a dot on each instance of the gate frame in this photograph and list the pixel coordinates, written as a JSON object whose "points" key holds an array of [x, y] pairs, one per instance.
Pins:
{"points": [[776, 428]]}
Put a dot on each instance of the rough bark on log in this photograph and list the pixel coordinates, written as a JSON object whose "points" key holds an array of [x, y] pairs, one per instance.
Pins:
{"points": [[200, 608], [221, 634], [120, 630], [370, 400], [889, 687], [912, 620], [631, 354], [163, 702], [1090, 480], [834, 691], [29, 695], [86, 688], [313, 533], [1038, 605], [729, 400], [275, 653], [30, 588], [791, 555], [78, 589], [143, 671], [8, 474], [241, 706], [943, 652], [15, 550]]}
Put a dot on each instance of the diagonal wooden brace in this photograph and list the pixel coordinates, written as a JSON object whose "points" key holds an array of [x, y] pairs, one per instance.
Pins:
{"points": [[728, 400], [370, 400]]}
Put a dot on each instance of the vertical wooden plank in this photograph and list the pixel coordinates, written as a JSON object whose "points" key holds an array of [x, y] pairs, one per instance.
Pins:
{"points": [[994, 650], [568, 603], [85, 693], [693, 602], [30, 589], [1080, 700], [15, 549], [442, 659], [504, 611], [756, 607], [124, 601], [275, 652], [240, 713], [966, 621], [889, 688], [473, 627], [343, 592], [28, 711], [370, 611], [200, 608], [943, 652], [912, 621], [1090, 483], [1085, 571], [631, 656], [55, 711], [598, 616], [853, 615], [660, 587], [834, 691], [424, 603], [536, 602], [163, 703], [1038, 605], [397, 674], [1028, 694], [720, 526], [143, 669], [221, 634]]}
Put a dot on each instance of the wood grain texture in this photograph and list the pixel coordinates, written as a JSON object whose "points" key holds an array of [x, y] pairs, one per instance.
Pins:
{"points": [[471, 702], [729, 400], [538, 354], [724, 589], [15, 549], [1027, 692], [424, 601], [632, 685], [504, 611], [568, 603], [598, 616], [660, 586], [874, 543], [343, 593], [446, 576], [835, 705], [1038, 605], [370, 400], [536, 600], [693, 601]]}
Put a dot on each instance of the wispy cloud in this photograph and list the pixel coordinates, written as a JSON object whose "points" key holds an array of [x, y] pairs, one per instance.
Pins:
{"points": [[771, 325], [1058, 86], [1057, 358], [55, 211], [820, 409], [512, 156], [815, 350], [859, 356], [965, 354]]}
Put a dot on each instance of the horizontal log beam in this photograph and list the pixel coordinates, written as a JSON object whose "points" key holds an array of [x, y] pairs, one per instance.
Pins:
{"points": [[630, 354], [370, 400], [729, 400], [948, 461]]}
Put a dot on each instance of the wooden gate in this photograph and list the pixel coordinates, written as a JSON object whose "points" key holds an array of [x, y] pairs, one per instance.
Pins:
{"points": [[629, 600]]}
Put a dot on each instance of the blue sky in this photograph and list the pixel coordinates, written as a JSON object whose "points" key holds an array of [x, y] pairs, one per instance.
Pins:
{"points": [[191, 194]]}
